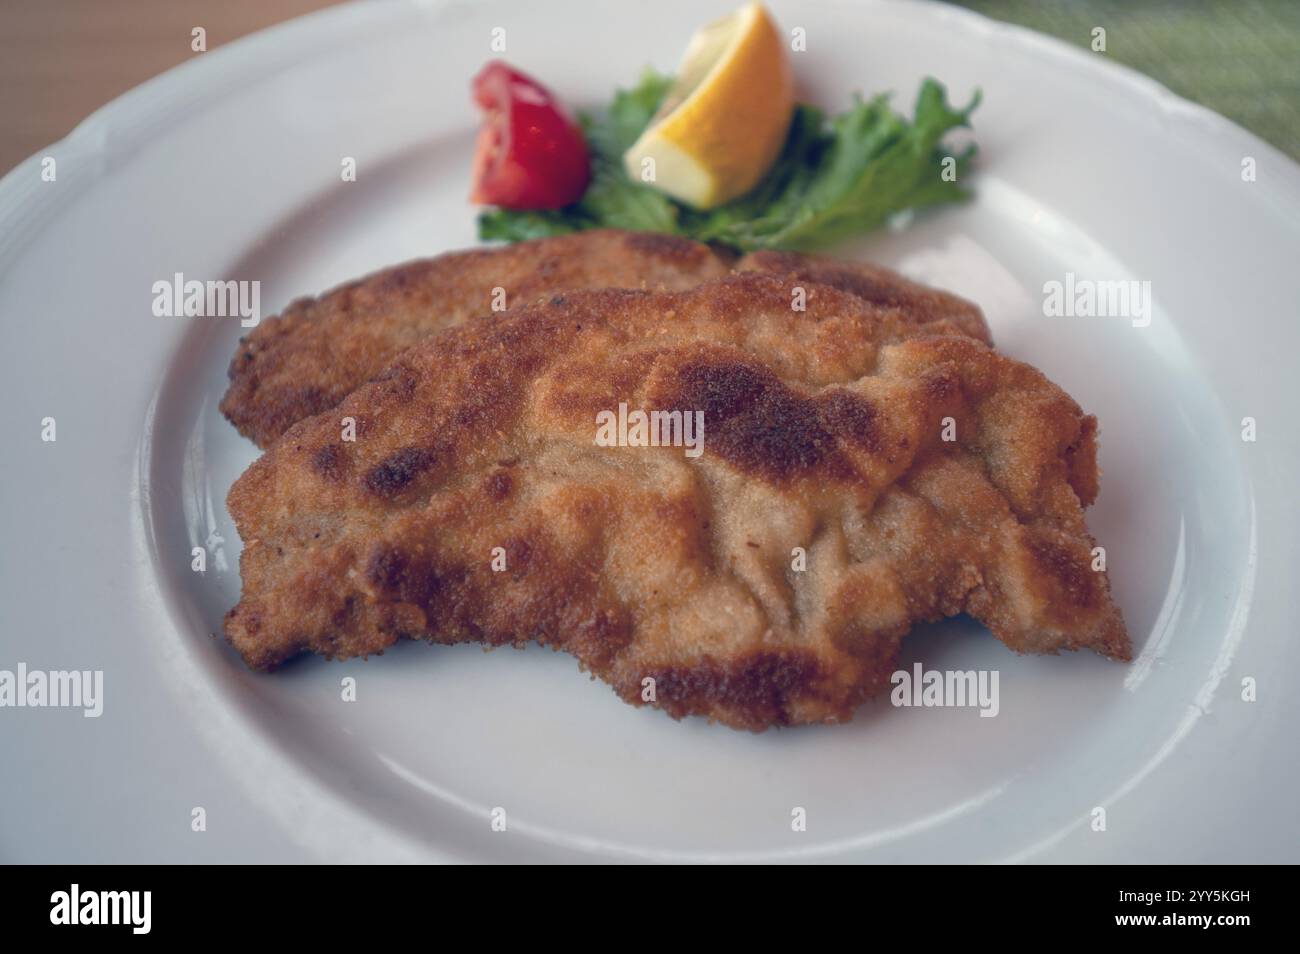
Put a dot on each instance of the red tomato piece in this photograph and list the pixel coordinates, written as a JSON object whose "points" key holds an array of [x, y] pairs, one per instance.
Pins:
{"points": [[531, 154]]}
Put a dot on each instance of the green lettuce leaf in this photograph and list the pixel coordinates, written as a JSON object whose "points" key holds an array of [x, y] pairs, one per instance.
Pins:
{"points": [[835, 178]]}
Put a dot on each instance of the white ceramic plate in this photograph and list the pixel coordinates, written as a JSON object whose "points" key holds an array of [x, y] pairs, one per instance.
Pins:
{"points": [[228, 167]]}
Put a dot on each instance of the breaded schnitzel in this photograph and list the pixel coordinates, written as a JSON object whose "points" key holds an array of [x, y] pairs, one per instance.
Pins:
{"points": [[475, 506], [305, 360]]}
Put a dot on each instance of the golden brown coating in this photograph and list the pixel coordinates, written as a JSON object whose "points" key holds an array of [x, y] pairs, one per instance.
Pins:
{"points": [[305, 360], [824, 430]]}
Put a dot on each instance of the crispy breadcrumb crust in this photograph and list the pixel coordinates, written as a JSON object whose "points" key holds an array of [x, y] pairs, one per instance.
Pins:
{"points": [[824, 430]]}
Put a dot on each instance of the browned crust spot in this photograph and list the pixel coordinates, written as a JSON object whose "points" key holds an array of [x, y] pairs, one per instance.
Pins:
{"points": [[395, 473], [328, 462], [762, 684]]}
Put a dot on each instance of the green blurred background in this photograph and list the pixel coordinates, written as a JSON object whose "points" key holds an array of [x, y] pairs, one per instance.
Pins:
{"points": [[1240, 58]]}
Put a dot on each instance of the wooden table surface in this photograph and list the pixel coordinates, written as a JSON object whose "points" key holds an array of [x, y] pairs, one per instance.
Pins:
{"points": [[60, 60]]}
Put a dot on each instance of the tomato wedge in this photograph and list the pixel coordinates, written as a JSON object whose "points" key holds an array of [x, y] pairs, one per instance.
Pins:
{"points": [[531, 154]]}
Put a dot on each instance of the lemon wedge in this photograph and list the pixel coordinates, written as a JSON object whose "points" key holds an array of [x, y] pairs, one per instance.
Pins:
{"points": [[723, 123]]}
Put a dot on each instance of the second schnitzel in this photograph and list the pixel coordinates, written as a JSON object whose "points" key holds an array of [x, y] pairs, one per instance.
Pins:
{"points": [[305, 360]]}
